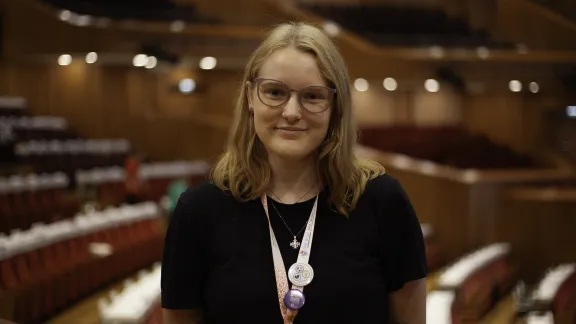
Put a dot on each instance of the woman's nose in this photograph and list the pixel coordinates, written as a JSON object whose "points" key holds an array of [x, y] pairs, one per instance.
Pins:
{"points": [[292, 109]]}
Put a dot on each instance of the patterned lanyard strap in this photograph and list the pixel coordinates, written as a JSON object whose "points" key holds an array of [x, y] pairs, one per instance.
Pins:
{"points": [[300, 273]]}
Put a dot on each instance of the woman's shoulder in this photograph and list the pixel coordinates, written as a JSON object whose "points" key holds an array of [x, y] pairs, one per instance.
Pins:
{"points": [[383, 192], [382, 185], [204, 193], [199, 203], [386, 198]]}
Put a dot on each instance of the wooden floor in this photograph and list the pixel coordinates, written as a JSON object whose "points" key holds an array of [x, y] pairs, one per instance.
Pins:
{"points": [[86, 311], [432, 280], [503, 313]]}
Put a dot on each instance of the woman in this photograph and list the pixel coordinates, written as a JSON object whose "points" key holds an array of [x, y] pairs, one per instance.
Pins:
{"points": [[289, 178]]}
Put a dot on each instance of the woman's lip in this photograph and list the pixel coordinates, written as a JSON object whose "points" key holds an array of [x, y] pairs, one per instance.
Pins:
{"points": [[292, 129]]}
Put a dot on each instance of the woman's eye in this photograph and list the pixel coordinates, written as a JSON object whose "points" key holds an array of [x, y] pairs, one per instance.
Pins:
{"points": [[275, 92], [313, 96]]}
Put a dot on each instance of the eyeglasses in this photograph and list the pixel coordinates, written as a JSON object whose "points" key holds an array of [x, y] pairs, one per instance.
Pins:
{"points": [[273, 93]]}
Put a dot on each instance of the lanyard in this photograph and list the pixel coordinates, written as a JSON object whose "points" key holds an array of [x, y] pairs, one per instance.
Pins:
{"points": [[300, 273]]}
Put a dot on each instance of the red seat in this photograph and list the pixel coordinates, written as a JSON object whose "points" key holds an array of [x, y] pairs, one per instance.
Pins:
{"points": [[36, 284], [564, 304]]}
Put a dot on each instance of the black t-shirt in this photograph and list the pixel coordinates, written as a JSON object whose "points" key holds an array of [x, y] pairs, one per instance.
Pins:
{"points": [[218, 256]]}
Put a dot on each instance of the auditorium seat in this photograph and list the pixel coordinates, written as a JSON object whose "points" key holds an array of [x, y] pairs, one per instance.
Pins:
{"points": [[452, 146], [45, 268], [439, 305], [390, 25], [12, 106], [109, 182], [554, 298], [160, 175], [471, 286], [137, 303], [38, 127], [70, 155], [27, 199]]}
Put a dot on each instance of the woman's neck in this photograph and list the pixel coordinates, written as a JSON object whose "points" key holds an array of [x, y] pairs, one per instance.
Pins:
{"points": [[293, 180]]}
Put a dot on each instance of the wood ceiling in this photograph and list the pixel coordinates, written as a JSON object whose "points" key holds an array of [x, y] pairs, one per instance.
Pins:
{"points": [[244, 24]]}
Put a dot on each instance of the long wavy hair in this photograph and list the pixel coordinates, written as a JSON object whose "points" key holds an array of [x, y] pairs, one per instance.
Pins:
{"points": [[243, 169]]}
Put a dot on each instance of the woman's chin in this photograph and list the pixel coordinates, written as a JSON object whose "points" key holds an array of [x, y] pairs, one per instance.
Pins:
{"points": [[291, 151]]}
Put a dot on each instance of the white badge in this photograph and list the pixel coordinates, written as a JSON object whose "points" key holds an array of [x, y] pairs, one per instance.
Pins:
{"points": [[301, 274]]}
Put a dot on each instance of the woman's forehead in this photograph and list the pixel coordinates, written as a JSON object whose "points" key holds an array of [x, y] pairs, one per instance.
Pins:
{"points": [[292, 67]]}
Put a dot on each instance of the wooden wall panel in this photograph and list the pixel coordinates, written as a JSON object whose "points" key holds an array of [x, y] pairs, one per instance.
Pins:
{"points": [[77, 95], [500, 116], [541, 232], [113, 101], [107, 100], [29, 81], [546, 29], [445, 205]]}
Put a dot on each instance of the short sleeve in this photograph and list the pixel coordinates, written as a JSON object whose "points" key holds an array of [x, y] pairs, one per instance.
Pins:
{"points": [[404, 242], [183, 261]]}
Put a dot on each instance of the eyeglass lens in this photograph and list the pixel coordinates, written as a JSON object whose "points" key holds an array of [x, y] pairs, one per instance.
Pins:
{"points": [[275, 93]]}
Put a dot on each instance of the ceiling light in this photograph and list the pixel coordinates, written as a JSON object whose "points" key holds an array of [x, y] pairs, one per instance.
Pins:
{"points": [[65, 59], [187, 85], [151, 62], [91, 57], [361, 85], [515, 86], [140, 60], [432, 85], [208, 63], [390, 84]]}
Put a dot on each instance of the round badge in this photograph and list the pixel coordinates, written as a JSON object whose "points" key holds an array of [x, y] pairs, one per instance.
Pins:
{"points": [[294, 299], [300, 274]]}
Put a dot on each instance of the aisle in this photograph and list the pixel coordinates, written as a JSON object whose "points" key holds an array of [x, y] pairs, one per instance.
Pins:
{"points": [[432, 280], [503, 313], [85, 311]]}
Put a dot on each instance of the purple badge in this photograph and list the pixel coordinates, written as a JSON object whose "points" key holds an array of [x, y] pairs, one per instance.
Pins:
{"points": [[294, 299]]}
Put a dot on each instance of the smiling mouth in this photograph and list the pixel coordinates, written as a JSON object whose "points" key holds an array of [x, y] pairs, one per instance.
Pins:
{"points": [[290, 129]]}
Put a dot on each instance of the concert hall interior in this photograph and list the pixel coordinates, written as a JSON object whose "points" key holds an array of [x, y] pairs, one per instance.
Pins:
{"points": [[469, 104]]}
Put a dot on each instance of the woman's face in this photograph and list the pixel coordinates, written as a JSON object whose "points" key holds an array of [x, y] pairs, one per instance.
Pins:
{"points": [[291, 104]]}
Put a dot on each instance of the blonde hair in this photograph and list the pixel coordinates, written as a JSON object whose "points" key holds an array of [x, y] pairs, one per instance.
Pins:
{"points": [[243, 169]]}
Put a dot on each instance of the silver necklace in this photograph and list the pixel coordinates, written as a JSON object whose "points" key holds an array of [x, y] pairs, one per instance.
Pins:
{"points": [[295, 244]]}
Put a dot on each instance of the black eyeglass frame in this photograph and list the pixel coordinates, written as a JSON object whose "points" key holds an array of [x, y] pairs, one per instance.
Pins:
{"points": [[256, 82]]}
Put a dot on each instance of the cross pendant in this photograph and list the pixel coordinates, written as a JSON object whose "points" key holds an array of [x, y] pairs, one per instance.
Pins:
{"points": [[295, 244]]}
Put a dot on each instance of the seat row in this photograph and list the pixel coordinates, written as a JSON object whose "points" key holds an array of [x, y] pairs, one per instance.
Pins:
{"points": [[138, 302], [451, 146], [109, 182], [27, 199], [48, 267], [470, 287], [12, 106], [157, 170], [73, 146], [38, 127], [69, 155], [554, 298]]}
